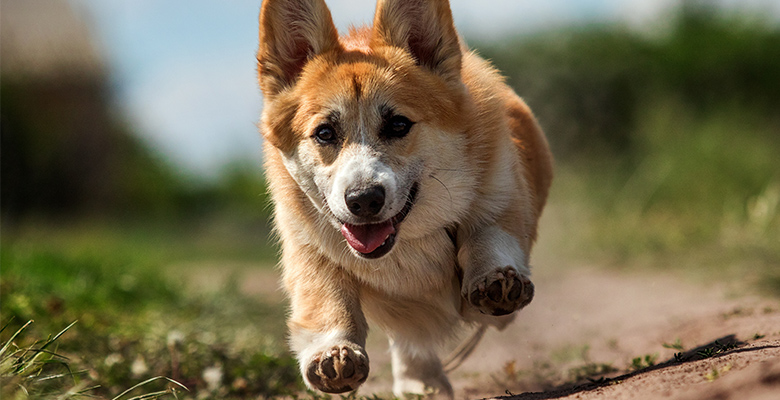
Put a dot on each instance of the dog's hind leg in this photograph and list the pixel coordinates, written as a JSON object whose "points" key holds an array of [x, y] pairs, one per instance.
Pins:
{"points": [[418, 370]]}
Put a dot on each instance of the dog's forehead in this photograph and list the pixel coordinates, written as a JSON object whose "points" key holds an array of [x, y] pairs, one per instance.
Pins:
{"points": [[359, 88], [358, 84]]}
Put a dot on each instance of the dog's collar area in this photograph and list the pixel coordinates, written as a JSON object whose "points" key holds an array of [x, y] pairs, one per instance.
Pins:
{"points": [[390, 227]]}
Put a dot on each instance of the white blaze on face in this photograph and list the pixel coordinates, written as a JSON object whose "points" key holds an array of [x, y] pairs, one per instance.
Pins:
{"points": [[362, 168]]}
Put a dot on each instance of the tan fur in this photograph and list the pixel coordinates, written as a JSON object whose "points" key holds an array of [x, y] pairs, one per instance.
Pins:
{"points": [[481, 162]]}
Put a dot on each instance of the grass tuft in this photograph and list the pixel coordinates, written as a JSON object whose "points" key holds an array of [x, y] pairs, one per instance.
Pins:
{"points": [[646, 361], [154, 395], [677, 345], [32, 369]]}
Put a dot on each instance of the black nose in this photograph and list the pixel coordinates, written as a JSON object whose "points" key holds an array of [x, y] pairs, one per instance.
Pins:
{"points": [[365, 202]]}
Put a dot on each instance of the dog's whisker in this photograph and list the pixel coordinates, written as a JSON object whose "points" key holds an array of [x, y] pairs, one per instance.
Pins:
{"points": [[445, 187], [450, 169], [344, 251]]}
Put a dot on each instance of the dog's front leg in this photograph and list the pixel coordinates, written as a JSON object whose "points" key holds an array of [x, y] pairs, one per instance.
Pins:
{"points": [[495, 270], [327, 326]]}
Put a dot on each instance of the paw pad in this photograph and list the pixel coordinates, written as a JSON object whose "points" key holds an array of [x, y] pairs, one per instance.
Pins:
{"points": [[337, 370], [501, 292]]}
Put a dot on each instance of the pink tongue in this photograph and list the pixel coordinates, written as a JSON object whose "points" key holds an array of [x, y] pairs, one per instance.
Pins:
{"points": [[367, 238]]}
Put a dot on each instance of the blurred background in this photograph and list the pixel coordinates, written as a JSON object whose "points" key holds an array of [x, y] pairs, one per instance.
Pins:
{"points": [[133, 197]]}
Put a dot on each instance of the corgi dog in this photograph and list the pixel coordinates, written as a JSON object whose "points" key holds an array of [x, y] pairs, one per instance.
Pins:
{"points": [[408, 180]]}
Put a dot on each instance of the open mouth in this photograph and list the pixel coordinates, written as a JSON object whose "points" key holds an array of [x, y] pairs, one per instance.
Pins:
{"points": [[375, 240]]}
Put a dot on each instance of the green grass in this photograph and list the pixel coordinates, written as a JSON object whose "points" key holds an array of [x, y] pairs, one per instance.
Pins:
{"points": [[642, 362], [39, 372], [589, 371], [677, 345], [701, 198], [137, 321], [34, 370]]}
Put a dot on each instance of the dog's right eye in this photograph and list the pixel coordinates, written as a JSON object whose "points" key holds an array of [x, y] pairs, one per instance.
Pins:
{"points": [[325, 134], [396, 126]]}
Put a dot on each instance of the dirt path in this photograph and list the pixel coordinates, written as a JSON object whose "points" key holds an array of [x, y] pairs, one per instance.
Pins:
{"points": [[589, 323], [592, 324], [585, 324]]}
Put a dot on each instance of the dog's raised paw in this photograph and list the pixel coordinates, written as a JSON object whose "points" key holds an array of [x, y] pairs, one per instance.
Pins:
{"points": [[501, 292], [338, 369]]}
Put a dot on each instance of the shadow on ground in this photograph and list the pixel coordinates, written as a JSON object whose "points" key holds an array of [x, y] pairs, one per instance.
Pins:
{"points": [[726, 346]]}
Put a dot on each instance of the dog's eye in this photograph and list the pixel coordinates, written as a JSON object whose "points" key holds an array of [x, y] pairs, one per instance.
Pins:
{"points": [[396, 127], [325, 134]]}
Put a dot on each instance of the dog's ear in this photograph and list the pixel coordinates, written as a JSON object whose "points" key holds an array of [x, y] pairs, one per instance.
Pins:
{"points": [[291, 32], [422, 27]]}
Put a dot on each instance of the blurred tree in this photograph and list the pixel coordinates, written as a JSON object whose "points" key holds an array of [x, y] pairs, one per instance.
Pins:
{"points": [[589, 84], [712, 58]]}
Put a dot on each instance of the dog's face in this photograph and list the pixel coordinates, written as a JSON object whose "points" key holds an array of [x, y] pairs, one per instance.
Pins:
{"points": [[369, 126]]}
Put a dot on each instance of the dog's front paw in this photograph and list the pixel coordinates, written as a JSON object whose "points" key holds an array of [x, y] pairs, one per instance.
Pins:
{"points": [[338, 369], [501, 292]]}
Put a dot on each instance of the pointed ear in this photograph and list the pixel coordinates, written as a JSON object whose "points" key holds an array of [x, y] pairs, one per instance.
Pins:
{"points": [[291, 32], [424, 28]]}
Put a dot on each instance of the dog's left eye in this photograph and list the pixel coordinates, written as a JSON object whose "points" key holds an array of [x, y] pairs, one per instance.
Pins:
{"points": [[397, 126]]}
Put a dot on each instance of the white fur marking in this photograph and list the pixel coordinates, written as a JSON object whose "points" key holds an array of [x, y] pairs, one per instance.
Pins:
{"points": [[363, 169], [308, 345]]}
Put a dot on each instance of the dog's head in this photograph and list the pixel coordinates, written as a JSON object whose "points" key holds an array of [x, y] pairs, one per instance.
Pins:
{"points": [[369, 125]]}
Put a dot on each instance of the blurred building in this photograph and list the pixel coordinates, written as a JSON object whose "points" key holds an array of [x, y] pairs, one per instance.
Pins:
{"points": [[45, 39], [62, 149]]}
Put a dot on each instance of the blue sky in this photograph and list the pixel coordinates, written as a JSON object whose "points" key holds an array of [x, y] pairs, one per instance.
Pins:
{"points": [[184, 70]]}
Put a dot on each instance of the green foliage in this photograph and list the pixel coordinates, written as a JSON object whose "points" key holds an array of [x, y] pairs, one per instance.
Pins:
{"points": [[702, 191], [712, 58], [696, 169], [589, 370], [243, 184], [641, 362], [583, 84], [716, 348], [570, 353], [588, 85], [677, 345]]}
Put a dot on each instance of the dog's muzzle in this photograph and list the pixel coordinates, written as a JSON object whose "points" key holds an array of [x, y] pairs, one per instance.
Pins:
{"points": [[374, 240]]}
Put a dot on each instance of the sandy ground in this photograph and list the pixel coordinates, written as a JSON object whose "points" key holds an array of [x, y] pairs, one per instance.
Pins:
{"points": [[585, 324], [580, 337]]}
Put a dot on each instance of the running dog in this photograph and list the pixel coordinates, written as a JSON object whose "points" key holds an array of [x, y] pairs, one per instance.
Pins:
{"points": [[408, 180]]}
